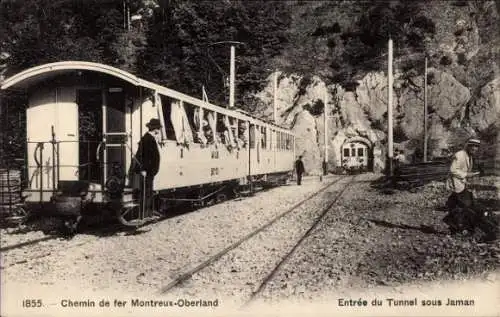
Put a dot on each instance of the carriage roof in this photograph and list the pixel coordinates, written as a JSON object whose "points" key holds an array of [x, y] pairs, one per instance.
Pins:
{"points": [[35, 74]]}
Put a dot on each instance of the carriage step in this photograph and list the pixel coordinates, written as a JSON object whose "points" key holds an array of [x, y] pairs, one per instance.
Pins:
{"points": [[131, 205], [16, 218], [135, 223]]}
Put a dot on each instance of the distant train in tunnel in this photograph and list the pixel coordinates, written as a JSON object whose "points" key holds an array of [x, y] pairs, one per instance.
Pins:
{"points": [[355, 156]]}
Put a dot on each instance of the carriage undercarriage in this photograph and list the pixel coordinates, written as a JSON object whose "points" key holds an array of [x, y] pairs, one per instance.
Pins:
{"points": [[126, 208]]}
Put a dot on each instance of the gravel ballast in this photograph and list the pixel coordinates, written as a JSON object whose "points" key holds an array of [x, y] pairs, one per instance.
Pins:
{"points": [[237, 274], [371, 241], [142, 262]]}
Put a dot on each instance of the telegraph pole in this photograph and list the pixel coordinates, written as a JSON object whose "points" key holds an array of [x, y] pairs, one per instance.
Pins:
{"points": [[325, 110], [128, 17], [275, 96], [425, 111], [231, 68], [124, 15], [231, 78], [389, 110]]}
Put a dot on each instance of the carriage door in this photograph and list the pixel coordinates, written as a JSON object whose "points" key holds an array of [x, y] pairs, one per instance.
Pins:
{"points": [[90, 134], [115, 134]]}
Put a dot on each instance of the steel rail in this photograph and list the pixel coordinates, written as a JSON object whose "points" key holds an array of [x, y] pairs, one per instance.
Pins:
{"points": [[188, 274], [287, 256]]}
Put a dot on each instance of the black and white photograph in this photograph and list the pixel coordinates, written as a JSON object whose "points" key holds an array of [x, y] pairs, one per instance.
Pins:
{"points": [[249, 158]]}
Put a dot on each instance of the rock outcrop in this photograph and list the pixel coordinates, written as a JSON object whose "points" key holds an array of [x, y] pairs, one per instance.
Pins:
{"points": [[486, 110], [361, 114]]}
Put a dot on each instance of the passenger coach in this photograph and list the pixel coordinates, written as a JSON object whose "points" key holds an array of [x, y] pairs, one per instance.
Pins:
{"points": [[83, 124]]}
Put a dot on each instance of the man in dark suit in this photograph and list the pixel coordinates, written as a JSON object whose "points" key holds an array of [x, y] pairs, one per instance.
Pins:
{"points": [[299, 169], [148, 156]]}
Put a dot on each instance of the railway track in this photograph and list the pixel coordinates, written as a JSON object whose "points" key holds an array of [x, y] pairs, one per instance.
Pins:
{"points": [[36, 241], [108, 228], [27, 243], [183, 277], [284, 259]]}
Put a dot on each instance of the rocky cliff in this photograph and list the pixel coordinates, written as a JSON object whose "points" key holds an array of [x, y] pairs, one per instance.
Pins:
{"points": [[362, 113], [463, 95]]}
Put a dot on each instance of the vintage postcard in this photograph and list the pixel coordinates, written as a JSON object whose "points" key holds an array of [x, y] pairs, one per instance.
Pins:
{"points": [[249, 158]]}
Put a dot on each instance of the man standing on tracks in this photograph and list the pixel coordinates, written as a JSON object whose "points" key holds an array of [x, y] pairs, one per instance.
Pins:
{"points": [[148, 156], [460, 201], [299, 169]]}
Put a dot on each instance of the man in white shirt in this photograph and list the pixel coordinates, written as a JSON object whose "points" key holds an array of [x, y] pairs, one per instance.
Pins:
{"points": [[461, 199]]}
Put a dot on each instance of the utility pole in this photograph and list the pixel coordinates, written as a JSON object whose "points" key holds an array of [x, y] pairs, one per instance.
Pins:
{"points": [[325, 110], [425, 111], [124, 15], [128, 17], [231, 78], [231, 68], [389, 110], [275, 96]]}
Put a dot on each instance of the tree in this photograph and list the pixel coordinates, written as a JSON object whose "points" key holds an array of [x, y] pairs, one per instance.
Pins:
{"points": [[180, 51], [53, 30]]}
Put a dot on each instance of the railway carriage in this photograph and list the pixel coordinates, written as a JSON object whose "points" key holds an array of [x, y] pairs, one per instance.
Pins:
{"points": [[84, 121], [355, 155]]}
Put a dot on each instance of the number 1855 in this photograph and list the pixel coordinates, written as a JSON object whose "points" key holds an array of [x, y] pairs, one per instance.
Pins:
{"points": [[32, 303]]}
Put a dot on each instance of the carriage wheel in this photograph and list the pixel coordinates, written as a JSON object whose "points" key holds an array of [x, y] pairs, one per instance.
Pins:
{"points": [[71, 225], [18, 216], [221, 197], [236, 193], [129, 214]]}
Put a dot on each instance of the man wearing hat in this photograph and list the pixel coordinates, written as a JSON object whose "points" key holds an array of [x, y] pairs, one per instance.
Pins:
{"points": [[148, 156], [461, 197], [299, 169]]}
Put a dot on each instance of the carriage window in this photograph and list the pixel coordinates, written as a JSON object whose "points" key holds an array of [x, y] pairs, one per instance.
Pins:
{"points": [[263, 137], [353, 152], [233, 125], [221, 128], [360, 151], [169, 128], [192, 115], [271, 135], [346, 152], [252, 136], [288, 142], [242, 133], [207, 125]]}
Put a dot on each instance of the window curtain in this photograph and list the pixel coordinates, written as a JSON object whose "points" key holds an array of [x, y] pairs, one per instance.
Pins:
{"points": [[158, 105], [212, 122], [180, 122], [229, 135], [198, 122]]}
